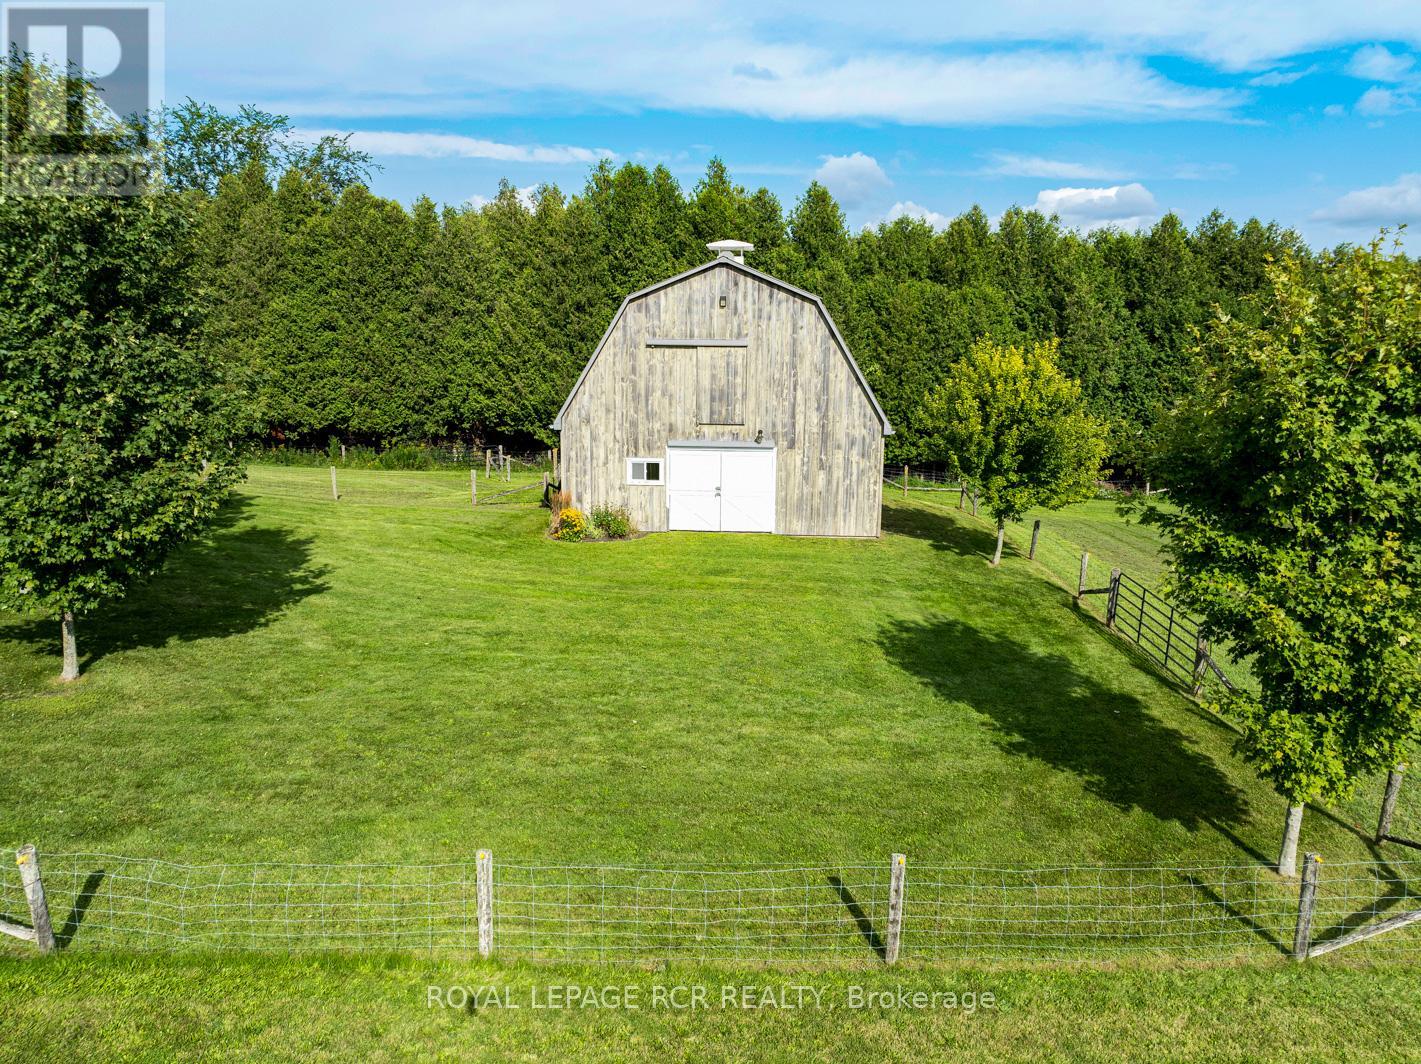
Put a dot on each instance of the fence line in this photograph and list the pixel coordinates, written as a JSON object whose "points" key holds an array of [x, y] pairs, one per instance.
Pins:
{"points": [[932, 478], [849, 911], [378, 488]]}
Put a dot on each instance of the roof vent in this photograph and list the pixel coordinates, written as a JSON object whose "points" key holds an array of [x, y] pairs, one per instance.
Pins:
{"points": [[731, 249]]}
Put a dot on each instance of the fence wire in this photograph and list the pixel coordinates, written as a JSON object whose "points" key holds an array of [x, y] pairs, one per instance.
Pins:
{"points": [[420, 490], [636, 913], [936, 478]]}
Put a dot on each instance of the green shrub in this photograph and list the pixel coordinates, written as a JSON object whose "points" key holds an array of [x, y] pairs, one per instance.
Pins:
{"points": [[407, 456], [572, 525], [613, 522]]}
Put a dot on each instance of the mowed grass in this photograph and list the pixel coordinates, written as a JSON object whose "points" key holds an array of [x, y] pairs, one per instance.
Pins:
{"points": [[399, 677], [190, 1007], [1112, 540]]}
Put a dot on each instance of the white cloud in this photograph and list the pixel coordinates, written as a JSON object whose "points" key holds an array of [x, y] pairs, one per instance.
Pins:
{"points": [[451, 145], [1009, 61], [463, 60], [1379, 205], [1236, 34], [914, 88], [909, 209], [1010, 164], [1380, 101], [527, 195], [1125, 206], [1376, 62], [1334, 110], [853, 179], [1274, 78]]}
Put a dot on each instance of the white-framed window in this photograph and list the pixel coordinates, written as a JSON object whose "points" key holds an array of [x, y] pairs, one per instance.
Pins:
{"points": [[646, 471]]}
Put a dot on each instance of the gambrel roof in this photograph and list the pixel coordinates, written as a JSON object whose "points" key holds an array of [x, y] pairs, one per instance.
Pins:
{"points": [[730, 264]]}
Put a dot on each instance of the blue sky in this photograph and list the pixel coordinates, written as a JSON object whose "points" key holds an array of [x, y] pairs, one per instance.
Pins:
{"points": [[1108, 113]]}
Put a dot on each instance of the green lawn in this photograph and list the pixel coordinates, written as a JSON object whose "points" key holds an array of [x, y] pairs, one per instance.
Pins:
{"points": [[1098, 528], [190, 1007], [396, 675], [1095, 526]]}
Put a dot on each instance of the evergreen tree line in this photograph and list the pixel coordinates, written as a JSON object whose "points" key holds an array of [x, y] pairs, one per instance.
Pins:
{"points": [[352, 316]]}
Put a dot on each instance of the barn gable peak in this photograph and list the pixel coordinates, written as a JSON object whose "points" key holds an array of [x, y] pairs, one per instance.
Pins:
{"points": [[736, 262]]}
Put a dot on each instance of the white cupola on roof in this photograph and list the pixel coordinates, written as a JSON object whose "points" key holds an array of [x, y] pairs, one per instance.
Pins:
{"points": [[731, 249]]}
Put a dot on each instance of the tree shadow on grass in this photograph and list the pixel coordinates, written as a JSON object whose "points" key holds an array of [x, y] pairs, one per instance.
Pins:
{"points": [[941, 529], [1045, 708], [235, 579]]}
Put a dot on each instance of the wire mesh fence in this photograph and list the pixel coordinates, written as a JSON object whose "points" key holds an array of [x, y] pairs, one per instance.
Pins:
{"points": [[436, 490], [408, 457], [637, 913], [935, 477]]}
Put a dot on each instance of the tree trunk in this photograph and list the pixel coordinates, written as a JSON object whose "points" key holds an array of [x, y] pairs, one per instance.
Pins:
{"points": [[71, 648], [1288, 856], [1001, 535]]}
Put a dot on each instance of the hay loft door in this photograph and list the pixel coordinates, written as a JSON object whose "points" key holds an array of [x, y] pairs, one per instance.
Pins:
{"points": [[720, 489]]}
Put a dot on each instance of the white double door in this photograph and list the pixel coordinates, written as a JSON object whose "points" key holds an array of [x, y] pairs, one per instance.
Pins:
{"points": [[721, 490]]}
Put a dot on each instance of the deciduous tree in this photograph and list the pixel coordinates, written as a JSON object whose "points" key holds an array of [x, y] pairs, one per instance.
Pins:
{"points": [[115, 432], [1295, 530], [1015, 427]]}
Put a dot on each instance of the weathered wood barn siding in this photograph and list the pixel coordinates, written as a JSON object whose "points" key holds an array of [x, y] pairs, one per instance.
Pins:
{"points": [[791, 380]]}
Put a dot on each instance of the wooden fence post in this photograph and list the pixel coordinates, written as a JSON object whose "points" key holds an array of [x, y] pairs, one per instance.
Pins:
{"points": [[473, 486], [335, 489], [1035, 532], [545, 485], [1112, 599], [508, 467], [28, 861], [961, 496], [488, 464], [905, 482], [484, 886], [896, 883], [974, 502], [1393, 791], [1307, 903], [1201, 664], [1080, 584]]}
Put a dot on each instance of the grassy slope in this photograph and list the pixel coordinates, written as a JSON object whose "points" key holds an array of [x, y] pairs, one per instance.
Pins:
{"points": [[1113, 541], [240, 1008], [397, 678], [331, 682]]}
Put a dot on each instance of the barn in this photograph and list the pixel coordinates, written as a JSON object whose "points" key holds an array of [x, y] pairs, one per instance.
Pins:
{"points": [[725, 400]]}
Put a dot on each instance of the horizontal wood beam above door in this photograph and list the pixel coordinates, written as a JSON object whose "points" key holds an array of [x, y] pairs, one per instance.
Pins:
{"points": [[742, 341]]}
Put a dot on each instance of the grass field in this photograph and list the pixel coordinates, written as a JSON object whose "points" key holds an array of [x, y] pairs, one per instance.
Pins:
{"points": [[1112, 540], [396, 674], [398, 678], [188, 1007]]}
